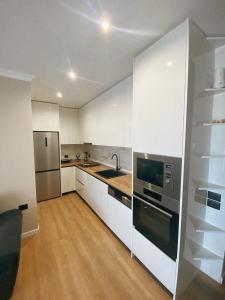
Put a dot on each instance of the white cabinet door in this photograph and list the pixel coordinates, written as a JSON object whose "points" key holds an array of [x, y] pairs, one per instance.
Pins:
{"points": [[98, 197], [45, 116], [120, 220], [69, 127], [157, 262], [109, 113], [159, 95], [68, 182]]}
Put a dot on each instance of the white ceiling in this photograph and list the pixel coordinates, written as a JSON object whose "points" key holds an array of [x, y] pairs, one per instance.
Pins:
{"points": [[47, 38]]}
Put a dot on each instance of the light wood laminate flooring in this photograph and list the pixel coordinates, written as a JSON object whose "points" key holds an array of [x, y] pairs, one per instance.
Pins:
{"points": [[75, 256]]}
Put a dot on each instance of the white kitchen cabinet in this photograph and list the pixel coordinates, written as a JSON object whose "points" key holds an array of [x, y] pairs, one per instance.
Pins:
{"points": [[97, 197], [159, 95], [107, 119], [69, 127], [115, 215], [157, 262], [68, 179], [81, 183], [45, 116], [120, 220]]}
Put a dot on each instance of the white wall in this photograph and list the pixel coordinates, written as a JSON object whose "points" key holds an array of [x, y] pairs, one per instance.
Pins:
{"points": [[107, 119], [45, 116], [17, 177]]}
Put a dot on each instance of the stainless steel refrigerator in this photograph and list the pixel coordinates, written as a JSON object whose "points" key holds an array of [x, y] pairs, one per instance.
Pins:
{"points": [[47, 165]]}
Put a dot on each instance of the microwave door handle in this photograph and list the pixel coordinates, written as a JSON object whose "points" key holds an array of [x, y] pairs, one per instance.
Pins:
{"points": [[155, 207]]}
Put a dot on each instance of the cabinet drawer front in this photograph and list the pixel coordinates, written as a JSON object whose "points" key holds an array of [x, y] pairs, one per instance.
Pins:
{"points": [[81, 176], [97, 196], [158, 263]]}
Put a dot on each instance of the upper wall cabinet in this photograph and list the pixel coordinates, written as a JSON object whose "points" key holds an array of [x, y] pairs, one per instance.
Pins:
{"points": [[69, 128], [159, 95], [45, 116], [107, 119]]}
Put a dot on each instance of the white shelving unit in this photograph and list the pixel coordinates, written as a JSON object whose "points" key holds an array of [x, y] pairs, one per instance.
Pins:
{"points": [[206, 224], [200, 253], [203, 226]]}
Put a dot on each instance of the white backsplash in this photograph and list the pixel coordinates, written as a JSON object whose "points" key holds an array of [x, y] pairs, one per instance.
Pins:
{"points": [[101, 154]]}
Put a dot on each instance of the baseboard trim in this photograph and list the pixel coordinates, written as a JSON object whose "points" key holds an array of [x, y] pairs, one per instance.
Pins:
{"points": [[30, 233]]}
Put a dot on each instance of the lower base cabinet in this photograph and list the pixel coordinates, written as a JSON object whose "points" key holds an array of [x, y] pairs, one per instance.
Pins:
{"points": [[81, 183], [115, 215], [68, 182], [120, 220], [97, 196], [157, 262]]}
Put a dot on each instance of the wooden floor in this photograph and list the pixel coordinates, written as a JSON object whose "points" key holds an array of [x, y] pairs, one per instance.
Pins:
{"points": [[75, 256]]}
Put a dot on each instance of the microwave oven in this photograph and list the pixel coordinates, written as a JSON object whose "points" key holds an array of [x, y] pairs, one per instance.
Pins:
{"points": [[158, 179]]}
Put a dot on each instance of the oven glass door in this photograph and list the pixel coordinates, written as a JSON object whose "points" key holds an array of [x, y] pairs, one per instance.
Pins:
{"points": [[157, 224]]}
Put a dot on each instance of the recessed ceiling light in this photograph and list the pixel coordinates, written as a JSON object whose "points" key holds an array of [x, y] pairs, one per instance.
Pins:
{"points": [[169, 63], [105, 24], [59, 95], [72, 75]]}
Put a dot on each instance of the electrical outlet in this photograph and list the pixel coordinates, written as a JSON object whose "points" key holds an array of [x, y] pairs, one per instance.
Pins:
{"points": [[23, 206], [214, 200]]}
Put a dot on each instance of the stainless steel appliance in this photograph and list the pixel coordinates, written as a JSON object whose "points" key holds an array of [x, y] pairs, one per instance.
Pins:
{"points": [[156, 195], [47, 165], [121, 197]]}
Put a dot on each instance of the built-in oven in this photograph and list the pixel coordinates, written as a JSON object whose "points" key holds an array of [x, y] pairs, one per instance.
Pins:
{"points": [[157, 224], [156, 198]]}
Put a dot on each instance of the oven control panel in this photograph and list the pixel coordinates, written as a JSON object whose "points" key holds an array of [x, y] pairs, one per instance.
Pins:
{"points": [[168, 176]]}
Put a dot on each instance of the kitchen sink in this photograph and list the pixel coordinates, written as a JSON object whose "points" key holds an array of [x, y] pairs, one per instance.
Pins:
{"points": [[109, 173], [88, 164]]}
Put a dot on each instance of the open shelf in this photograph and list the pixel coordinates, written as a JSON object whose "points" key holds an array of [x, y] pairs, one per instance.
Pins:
{"points": [[205, 186], [213, 123], [209, 156], [214, 91], [210, 123], [203, 226], [216, 42], [200, 253]]}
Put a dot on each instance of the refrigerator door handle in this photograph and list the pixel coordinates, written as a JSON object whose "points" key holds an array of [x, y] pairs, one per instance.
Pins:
{"points": [[46, 142]]}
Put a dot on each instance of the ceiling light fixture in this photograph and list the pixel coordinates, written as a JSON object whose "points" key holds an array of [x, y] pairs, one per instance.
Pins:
{"points": [[105, 24], [59, 95], [169, 63], [72, 75]]}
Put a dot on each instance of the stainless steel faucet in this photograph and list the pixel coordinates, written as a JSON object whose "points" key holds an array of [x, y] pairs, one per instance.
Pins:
{"points": [[117, 161], [86, 156]]}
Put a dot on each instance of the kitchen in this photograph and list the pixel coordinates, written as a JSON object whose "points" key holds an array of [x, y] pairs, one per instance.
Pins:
{"points": [[120, 186]]}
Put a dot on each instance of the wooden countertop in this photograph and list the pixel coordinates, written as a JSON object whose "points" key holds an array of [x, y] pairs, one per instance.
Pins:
{"points": [[121, 183]]}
